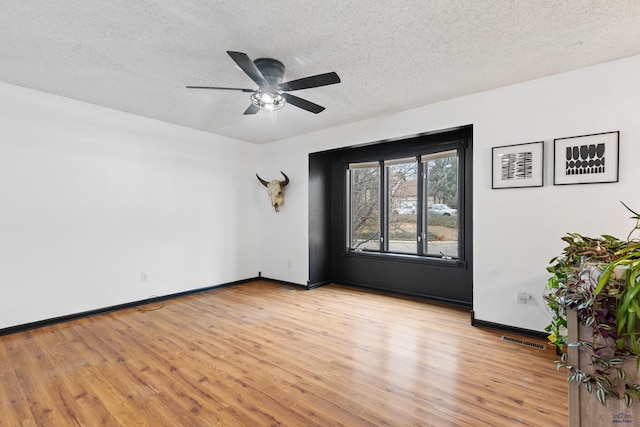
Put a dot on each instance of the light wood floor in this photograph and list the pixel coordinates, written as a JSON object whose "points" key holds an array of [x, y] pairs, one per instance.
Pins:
{"points": [[261, 354]]}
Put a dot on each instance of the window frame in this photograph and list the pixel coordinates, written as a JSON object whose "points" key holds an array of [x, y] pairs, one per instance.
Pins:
{"points": [[421, 215]]}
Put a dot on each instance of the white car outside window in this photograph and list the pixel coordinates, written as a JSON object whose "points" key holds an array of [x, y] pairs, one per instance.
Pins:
{"points": [[440, 209]]}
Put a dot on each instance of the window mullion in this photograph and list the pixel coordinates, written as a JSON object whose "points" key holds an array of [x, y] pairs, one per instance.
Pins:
{"points": [[384, 208], [349, 206], [420, 209]]}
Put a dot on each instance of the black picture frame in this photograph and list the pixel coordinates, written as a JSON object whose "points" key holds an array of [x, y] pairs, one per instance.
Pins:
{"points": [[586, 159], [518, 165]]}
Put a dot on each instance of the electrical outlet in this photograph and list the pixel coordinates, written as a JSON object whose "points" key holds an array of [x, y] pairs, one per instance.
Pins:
{"points": [[143, 277], [522, 297], [289, 264]]}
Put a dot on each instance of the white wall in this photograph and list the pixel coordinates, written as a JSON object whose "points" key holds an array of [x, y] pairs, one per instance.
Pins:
{"points": [[516, 231], [91, 198]]}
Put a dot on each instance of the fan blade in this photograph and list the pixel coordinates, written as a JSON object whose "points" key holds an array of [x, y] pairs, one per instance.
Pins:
{"points": [[303, 103], [220, 88], [309, 82], [252, 109], [248, 67]]}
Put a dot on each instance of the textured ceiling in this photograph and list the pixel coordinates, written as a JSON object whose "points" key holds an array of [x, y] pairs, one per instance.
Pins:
{"points": [[137, 56]]}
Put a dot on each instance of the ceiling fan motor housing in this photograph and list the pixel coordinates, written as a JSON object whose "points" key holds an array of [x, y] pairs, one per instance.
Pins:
{"points": [[271, 69]]}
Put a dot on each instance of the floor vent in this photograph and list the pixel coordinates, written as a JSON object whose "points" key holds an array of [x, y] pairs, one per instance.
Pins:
{"points": [[523, 342], [287, 289]]}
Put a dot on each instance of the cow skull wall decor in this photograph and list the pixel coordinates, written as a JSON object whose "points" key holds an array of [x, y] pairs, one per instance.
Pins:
{"points": [[275, 190]]}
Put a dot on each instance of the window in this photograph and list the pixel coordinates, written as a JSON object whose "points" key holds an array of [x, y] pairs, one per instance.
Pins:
{"points": [[406, 205], [365, 206], [440, 235], [402, 205]]}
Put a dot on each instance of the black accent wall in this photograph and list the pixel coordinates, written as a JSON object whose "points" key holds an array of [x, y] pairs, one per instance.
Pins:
{"points": [[444, 280], [320, 219]]}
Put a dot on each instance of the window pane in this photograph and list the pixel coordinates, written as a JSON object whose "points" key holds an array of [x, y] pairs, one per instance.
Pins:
{"points": [[403, 206], [365, 208], [441, 190]]}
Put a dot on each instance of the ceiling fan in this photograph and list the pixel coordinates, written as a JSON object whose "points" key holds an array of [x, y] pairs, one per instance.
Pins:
{"points": [[272, 94]]}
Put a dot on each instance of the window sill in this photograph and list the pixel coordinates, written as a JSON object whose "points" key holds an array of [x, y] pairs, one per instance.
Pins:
{"points": [[389, 256]]}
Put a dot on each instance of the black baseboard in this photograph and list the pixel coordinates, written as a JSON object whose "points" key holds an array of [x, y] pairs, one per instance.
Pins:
{"points": [[74, 316], [70, 317], [318, 284], [386, 291], [283, 282], [505, 328]]}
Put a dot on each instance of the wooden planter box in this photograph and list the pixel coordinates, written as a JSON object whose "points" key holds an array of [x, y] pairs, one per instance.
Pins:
{"points": [[584, 408]]}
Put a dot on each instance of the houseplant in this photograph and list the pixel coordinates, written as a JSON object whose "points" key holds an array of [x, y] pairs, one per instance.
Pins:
{"points": [[599, 278]]}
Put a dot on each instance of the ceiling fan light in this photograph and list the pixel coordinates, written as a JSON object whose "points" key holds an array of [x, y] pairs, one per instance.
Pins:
{"points": [[268, 101]]}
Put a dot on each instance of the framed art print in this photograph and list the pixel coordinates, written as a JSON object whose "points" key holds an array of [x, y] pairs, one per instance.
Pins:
{"points": [[587, 159], [516, 166]]}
